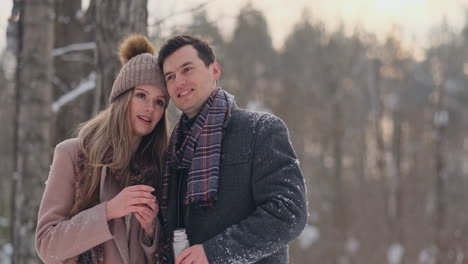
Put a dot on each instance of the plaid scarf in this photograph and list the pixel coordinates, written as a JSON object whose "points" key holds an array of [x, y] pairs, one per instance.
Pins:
{"points": [[200, 152]]}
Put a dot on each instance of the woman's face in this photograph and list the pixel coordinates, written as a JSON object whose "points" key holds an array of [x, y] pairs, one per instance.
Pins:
{"points": [[147, 105]]}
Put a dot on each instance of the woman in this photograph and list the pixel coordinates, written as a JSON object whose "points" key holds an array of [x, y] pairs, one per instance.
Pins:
{"points": [[98, 205]]}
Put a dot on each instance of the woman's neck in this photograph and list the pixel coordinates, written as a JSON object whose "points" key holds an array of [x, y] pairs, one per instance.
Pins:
{"points": [[136, 143]]}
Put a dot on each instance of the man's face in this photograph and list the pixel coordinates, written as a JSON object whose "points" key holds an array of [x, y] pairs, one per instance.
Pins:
{"points": [[189, 81]]}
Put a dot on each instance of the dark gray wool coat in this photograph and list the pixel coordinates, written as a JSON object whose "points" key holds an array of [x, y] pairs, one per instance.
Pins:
{"points": [[261, 203]]}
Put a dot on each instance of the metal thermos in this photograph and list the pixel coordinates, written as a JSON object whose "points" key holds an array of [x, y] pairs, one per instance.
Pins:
{"points": [[180, 241]]}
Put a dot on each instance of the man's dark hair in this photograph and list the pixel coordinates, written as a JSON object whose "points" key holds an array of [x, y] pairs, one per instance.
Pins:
{"points": [[204, 50]]}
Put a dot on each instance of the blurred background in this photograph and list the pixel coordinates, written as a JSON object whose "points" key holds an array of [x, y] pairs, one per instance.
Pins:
{"points": [[374, 92]]}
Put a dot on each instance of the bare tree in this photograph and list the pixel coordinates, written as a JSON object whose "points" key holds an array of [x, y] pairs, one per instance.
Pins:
{"points": [[74, 52], [34, 96], [440, 123], [7, 113], [344, 60], [394, 75], [251, 76], [114, 20]]}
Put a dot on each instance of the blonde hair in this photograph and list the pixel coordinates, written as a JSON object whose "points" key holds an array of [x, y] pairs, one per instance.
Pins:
{"points": [[106, 141]]}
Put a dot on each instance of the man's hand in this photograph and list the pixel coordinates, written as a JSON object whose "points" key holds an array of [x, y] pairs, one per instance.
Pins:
{"points": [[192, 255]]}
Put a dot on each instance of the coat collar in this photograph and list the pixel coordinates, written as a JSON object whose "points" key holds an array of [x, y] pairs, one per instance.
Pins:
{"points": [[108, 189], [231, 105]]}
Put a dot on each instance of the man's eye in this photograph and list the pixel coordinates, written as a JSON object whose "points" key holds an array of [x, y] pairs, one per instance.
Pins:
{"points": [[187, 69], [170, 77]]}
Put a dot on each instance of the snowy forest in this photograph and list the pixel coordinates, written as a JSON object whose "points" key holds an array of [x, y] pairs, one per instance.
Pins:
{"points": [[381, 134]]}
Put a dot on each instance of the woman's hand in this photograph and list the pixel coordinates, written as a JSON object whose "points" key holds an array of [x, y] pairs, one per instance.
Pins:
{"points": [[132, 199], [147, 218], [135, 199]]}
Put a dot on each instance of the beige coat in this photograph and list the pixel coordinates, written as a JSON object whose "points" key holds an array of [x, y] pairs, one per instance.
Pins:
{"points": [[60, 239]]}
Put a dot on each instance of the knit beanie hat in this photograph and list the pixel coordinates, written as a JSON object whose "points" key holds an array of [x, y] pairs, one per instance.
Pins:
{"points": [[140, 66]]}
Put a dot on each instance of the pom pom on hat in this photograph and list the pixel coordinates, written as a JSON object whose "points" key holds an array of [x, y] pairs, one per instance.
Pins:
{"points": [[140, 66], [134, 45]]}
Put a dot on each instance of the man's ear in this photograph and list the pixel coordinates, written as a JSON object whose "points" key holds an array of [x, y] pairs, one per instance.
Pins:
{"points": [[216, 70]]}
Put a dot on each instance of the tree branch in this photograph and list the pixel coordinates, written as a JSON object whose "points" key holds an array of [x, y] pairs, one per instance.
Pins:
{"points": [[84, 86]]}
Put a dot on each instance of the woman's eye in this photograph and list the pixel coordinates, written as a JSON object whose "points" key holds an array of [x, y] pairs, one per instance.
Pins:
{"points": [[160, 103], [140, 95]]}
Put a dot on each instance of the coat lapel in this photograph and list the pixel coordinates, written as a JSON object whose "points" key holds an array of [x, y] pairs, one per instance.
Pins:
{"points": [[108, 190]]}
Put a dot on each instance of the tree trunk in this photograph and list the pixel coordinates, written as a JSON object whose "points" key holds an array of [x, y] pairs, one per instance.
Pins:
{"points": [[377, 117], [7, 112], [440, 122], [72, 67], [34, 96], [114, 21], [340, 214], [395, 198]]}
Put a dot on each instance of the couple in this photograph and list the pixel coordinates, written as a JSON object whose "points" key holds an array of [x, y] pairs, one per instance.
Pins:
{"points": [[229, 177]]}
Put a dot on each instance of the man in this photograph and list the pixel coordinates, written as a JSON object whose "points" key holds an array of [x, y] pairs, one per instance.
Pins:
{"points": [[232, 179]]}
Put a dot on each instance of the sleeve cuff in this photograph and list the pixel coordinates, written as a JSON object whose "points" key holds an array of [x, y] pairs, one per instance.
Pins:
{"points": [[148, 244]]}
